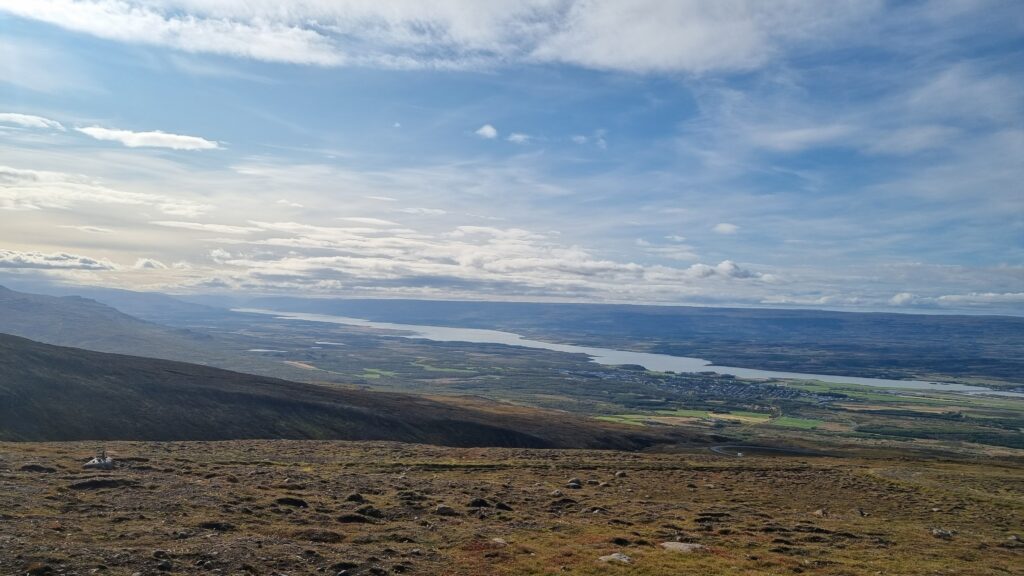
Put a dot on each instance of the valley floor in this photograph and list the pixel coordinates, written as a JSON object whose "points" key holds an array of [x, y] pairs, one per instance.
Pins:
{"points": [[307, 507]]}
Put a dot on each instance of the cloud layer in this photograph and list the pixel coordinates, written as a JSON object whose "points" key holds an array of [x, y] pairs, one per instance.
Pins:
{"points": [[51, 261], [637, 36]]}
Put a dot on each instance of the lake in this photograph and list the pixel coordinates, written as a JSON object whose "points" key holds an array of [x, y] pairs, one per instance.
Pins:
{"points": [[611, 357]]}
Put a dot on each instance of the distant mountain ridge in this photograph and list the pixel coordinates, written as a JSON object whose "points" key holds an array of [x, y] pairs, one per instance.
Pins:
{"points": [[150, 306], [85, 323], [52, 393]]}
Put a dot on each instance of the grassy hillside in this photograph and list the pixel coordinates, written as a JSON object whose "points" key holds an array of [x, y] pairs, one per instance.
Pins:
{"points": [[253, 507], [54, 393]]}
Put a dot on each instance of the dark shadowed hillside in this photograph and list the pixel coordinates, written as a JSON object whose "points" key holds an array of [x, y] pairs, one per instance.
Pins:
{"points": [[55, 393]]}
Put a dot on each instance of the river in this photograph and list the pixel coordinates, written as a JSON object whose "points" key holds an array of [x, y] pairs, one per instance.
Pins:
{"points": [[611, 357]]}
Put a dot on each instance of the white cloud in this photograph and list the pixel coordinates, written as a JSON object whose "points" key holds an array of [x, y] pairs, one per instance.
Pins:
{"points": [[467, 259], [911, 139], [90, 229], [519, 138], [969, 300], [149, 264], [903, 299], [289, 203], [578, 139], [37, 189], [689, 35], [637, 36], [52, 261], [797, 139], [258, 36], [30, 121], [218, 228], [725, 228], [725, 269], [424, 211], [219, 255], [368, 221], [981, 298], [152, 139], [675, 251], [487, 131]]}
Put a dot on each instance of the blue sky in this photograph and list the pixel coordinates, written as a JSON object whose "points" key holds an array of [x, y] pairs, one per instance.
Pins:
{"points": [[861, 155]]}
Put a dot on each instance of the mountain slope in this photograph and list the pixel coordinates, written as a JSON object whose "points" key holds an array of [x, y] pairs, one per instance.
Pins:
{"points": [[50, 393], [84, 323], [149, 306]]}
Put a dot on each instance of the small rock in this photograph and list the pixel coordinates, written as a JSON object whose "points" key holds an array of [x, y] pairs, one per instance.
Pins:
{"points": [[618, 557], [355, 497], [218, 526], [353, 519], [499, 541], [38, 569], [99, 483], [684, 547], [502, 506], [370, 511], [444, 510], [943, 534], [160, 554], [37, 468], [289, 501], [621, 474], [821, 513], [479, 503], [322, 536], [556, 494]]}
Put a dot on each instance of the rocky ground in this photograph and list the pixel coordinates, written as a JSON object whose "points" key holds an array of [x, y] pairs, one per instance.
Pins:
{"points": [[304, 507]]}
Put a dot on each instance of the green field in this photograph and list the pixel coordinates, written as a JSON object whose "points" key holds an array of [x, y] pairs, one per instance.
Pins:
{"points": [[790, 422]]}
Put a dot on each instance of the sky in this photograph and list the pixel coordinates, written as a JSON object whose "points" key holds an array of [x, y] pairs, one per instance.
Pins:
{"points": [[861, 155]]}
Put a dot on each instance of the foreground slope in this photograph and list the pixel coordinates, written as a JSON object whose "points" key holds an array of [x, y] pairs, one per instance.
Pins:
{"points": [[55, 393], [297, 508]]}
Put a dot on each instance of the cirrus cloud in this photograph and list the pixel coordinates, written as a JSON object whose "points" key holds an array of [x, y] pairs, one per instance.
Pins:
{"points": [[203, 227], [22, 189], [30, 121]]}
